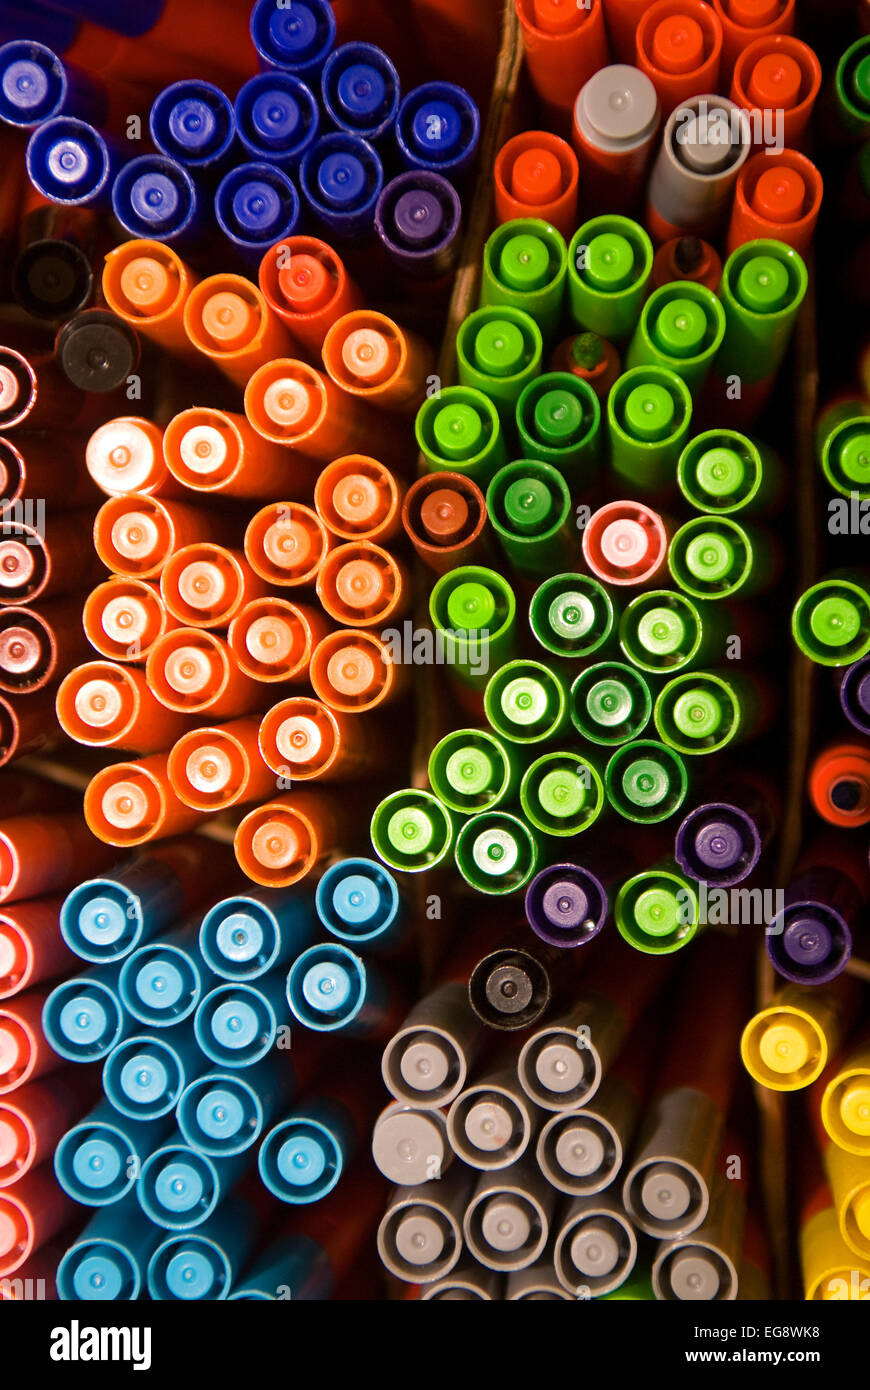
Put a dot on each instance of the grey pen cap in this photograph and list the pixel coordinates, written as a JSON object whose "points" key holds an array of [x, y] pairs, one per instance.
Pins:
{"points": [[507, 1221], [617, 110], [666, 1189], [704, 1266], [561, 1065], [491, 1122], [468, 1282], [409, 1145], [581, 1151], [420, 1235], [705, 144], [595, 1246], [426, 1062], [537, 1283]]}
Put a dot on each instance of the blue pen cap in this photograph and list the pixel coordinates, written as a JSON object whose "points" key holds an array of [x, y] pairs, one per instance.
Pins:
{"points": [[244, 936], [277, 117], [69, 162], [99, 1160], [35, 85], [82, 1018], [180, 1188], [255, 206], [341, 178], [203, 1264], [303, 1157], [221, 1113], [358, 901], [144, 1076], [193, 123], [237, 1024], [155, 197], [438, 128], [103, 919], [108, 1260], [329, 987], [296, 1268], [360, 89], [162, 982], [296, 37], [132, 20]]}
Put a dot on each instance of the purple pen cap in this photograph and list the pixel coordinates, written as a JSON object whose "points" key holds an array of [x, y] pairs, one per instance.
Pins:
{"points": [[417, 220], [808, 942], [566, 905], [718, 843], [855, 694]]}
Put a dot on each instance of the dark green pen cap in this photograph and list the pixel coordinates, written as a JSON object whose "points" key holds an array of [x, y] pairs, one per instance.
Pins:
{"points": [[610, 703], [497, 853], [559, 422], [646, 781], [572, 615], [852, 89], [610, 261], [763, 286], [529, 508], [681, 326], [473, 609]]}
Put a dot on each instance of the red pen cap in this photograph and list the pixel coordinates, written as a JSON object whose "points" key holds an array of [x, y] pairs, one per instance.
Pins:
{"points": [[839, 784], [31, 1123], [444, 515], [147, 284], [193, 670], [305, 283], [625, 543], [272, 639], [104, 705], [782, 75], [363, 585], [27, 725], [303, 739], [24, 1052], [214, 451], [124, 617], [279, 843], [286, 543], [777, 197], [228, 320], [205, 585], [30, 1213], [46, 853], [354, 671], [743, 21], [38, 645], [370, 356], [131, 803], [126, 455], [679, 47], [30, 465], [49, 558], [359, 499], [213, 768], [536, 175], [136, 535], [31, 947], [289, 402]]}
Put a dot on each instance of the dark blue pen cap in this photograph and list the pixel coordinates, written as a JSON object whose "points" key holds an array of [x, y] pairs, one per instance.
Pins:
{"points": [[293, 34], [192, 122], [255, 206], [33, 85], [68, 161], [360, 88], [341, 179], [278, 117], [438, 128], [154, 197]]}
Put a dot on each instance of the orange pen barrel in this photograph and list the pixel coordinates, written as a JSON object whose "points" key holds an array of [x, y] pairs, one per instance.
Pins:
{"points": [[359, 499], [839, 785], [743, 21], [362, 585], [31, 1123], [279, 843], [228, 320], [777, 196], [147, 284], [777, 80], [31, 947], [129, 804], [104, 705], [213, 768], [32, 464], [123, 618], [536, 175], [286, 543], [622, 18], [126, 455], [303, 740], [213, 451], [565, 44], [193, 671], [52, 557], [679, 47], [39, 645], [46, 853], [306, 284], [272, 639], [370, 356], [24, 1052], [291, 403], [27, 725], [205, 585], [30, 1213], [136, 535], [354, 671]]}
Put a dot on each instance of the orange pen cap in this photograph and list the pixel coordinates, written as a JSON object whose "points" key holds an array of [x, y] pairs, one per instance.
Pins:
{"points": [[104, 705], [147, 284], [38, 645], [193, 670], [782, 75], [228, 320], [129, 804], [363, 585], [777, 197], [359, 499], [289, 402], [369, 355], [354, 671], [306, 284], [286, 543], [679, 47], [31, 1123], [213, 768], [45, 854], [839, 785], [126, 455], [30, 1214], [124, 617], [205, 585], [135, 535], [565, 44], [536, 175], [273, 639], [45, 560], [279, 843], [24, 1052], [303, 739], [214, 451], [31, 947]]}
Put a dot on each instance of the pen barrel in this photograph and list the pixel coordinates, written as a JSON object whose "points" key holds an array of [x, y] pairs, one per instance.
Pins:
{"points": [[499, 350], [110, 1253], [757, 328], [649, 413], [304, 740], [560, 56], [30, 946], [786, 1046], [458, 429], [711, 1255], [610, 262], [369, 356], [131, 803], [595, 1247], [33, 1211], [216, 451], [681, 327], [273, 639], [507, 1221], [529, 506], [191, 670], [305, 283], [525, 265], [427, 1060], [106, 705], [615, 122]]}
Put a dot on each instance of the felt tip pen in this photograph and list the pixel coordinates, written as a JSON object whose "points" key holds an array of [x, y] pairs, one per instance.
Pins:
{"points": [[536, 175], [763, 286], [855, 695], [256, 205], [360, 90], [215, 451], [590, 358], [298, 41], [412, 831], [97, 1162], [705, 1265], [558, 419], [848, 1179], [69, 162], [144, 1076], [192, 670], [473, 610], [26, 1049], [744, 22], [529, 507], [420, 1235], [497, 853], [206, 585], [304, 282], [236, 1024], [566, 905], [787, 1044], [363, 585], [831, 1270], [679, 47], [525, 265], [444, 516], [205, 1263], [36, 85], [273, 639], [341, 178], [280, 842], [290, 403], [227, 319], [616, 119], [370, 356], [777, 197], [32, 1120], [508, 989], [353, 671], [564, 46], [809, 940], [224, 1112], [427, 1060], [286, 544], [777, 77], [687, 258], [610, 261], [722, 472], [831, 620], [107, 1260], [459, 430], [562, 794], [304, 740], [409, 1144], [417, 221], [646, 781], [192, 122], [358, 902], [125, 455], [499, 351], [845, 1100], [106, 705], [625, 544], [153, 196], [842, 444], [472, 770], [162, 982], [244, 936], [180, 1188], [657, 911], [719, 843], [97, 351], [839, 785], [359, 499], [719, 558], [277, 118], [596, 1245], [30, 948], [31, 1212], [330, 988], [438, 129], [128, 804], [296, 1263], [851, 96], [38, 645], [581, 1152], [706, 142], [681, 327], [526, 702], [572, 615], [610, 703], [663, 631], [135, 534], [306, 1154], [211, 769], [82, 1018], [649, 414], [147, 284], [507, 1221]]}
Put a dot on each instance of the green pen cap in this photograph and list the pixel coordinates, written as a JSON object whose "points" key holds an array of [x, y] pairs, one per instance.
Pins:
{"points": [[529, 508], [657, 911], [714, 557], [662, 631], [499, 350], [458, 431], [610, 262], [852, 89], [610, 703], [845, 455], [572, 615], [474, 612], [723, 471], [526, 702], [831, 620], [497, 853], [525, 265], [471, 770], [699, 712], [681, 326], [562, 794], [558, 421], [646, 781], [411, 830], [762, 288], [649, 412]]}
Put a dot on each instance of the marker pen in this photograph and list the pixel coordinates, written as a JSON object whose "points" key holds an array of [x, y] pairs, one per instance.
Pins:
{"points": [[280, 842], [69, 162], [98, 1161], [180, 1188], [359, 499], [412, 831], [473, 611], [566, 905], [369, 356], [610, 703], [38, 645], [82, 1020], [681, 327], [363, 585], [420, 1235], [511, 989], [35, 86], [616, 119], [286, 543], [44, 853], [304, 282], [564, 45], [747, 20], [360, 91], [305, 1155], [131, 803], [298, 40], [850, 92], [786, 1046], [214, 451], [27, 726], [243, 936], [97, 351], [472, 770], [649, 413], [353, 671], [718, 557], [29, 468], [664, 631], [705, 711], [845, 1098], [206, 585], [831, 620], [236, 1024], [330, 988], [499, 351], [706, 141], [444, 515], [192, 670], [227, 319], [536, 175], [841, 444], [32, 1120], [409, 1145], [720, 842], [849, 1181], [596, 1245], [417, 221], [192, 122], [438, 129], [646, 782], [777, 196], [358, 901], [525, 265], [839, 785], [135, 534], [656, 911], [256, 205], [625, 544], [687, 258], [146, 284], [304, 740], [679, 47], [529, 506], [507, 1221], [705, 1265], [590, 358], [211, 769], [290, 403], [107, 1260], [341, 178], [162, 982], [34, 389], [468, 1281], [144, 1076], [855, 695], [558, 420], [562, 794], [277, 119], [722, 471], [571, 615], [31, 1212], [526, 702], [205, 1264], [497, 853], [609, 266], [105, 705], [155, 197], [459, 430], [776, 81], [832, 1272], [30, 949], [272, 639], [809, 940], [224, 1112], [125, 455], [427, 1060]]}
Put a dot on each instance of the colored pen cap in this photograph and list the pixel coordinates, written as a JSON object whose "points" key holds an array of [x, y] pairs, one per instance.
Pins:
{"points": [[411, 830], [852, 90], [134, 534], [102, 704], [679, 46], [562, 794], [147, 284], [529, 505], [97, 1161], [473, 609], [190, 669], [360, 89], [444, 515], [458, 430], [718, 843], [426, 1061], [128, 804], [211, 769], [236, 1024], [123, 618], [211, 450], [256, 205], [192, 122], [227, 319], [302, 1159], [855, 695], [779, 73], [571, 615], [559, 421], [33, 84], [471, 770], [649, 411], [687, 258], [808, 941], [97, 351], [327, 987], [305, 283], [616, 113], [490, 1123], [420, 1235], [82, 1018], [681, 326], [698, 712], [302, 739], [610, 261], [499, 349], [242, 937], [22, 1052], [720, 471], [438, 128], [417, 220], [358, 498], [403, 1139], [784, 1046], [657, 911], [536, 174], [341, 178], [205, 585], [566, 905], [361, 584], [286, 543], [525, 263], [625, 543], [596, 1247], [105, 1263], [777, 195], [496, 853], [179, 1188], [357, 900], [153, 196], [661, 631], [839, 785], [845, 1104], [52, 278], [280, 842], [354, 671], [297, 39], [277, 118], [711, 557], [272, 639], [126, 455], [286, 401], [161, 983], [370, 356], [525, 701], [143, 1077], [845, 456], [68, 162], [646, 781], [831, 621], [763, 286], [610, 703]]}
